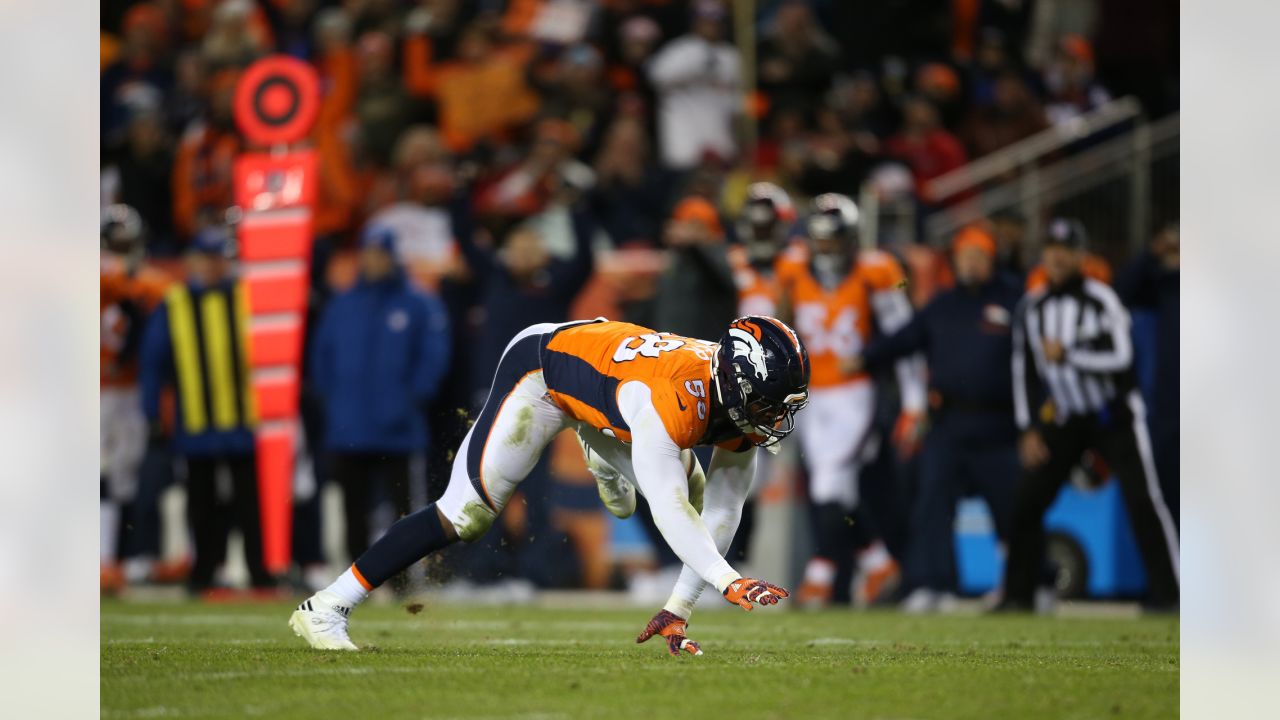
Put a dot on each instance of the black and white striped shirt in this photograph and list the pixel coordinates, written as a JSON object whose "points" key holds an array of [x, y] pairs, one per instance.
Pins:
{"points": [[1087, 318]]}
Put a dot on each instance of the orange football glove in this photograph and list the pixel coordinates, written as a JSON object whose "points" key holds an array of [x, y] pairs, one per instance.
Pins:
{"points": [[908, 433], [745, 591], [672, 627]]}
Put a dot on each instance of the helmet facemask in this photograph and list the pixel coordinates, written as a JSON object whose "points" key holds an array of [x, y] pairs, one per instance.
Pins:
{"points": [[752, 413]]}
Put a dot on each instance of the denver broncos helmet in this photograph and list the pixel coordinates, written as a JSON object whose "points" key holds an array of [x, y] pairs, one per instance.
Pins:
{"points": [[833, 215], [766, 218], [123, 234], [761, 373]]}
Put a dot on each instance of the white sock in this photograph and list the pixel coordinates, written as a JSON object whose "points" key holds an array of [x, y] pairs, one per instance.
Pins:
{"points": [[109, 526], [348, 589], [874, 558], [820, 571]]}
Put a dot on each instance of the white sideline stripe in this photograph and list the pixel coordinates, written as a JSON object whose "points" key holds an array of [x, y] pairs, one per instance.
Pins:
{"points": [[1139, 412]]}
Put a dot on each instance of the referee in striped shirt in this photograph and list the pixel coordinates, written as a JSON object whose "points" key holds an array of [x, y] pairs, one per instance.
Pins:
{"points": [[1074, 390]]}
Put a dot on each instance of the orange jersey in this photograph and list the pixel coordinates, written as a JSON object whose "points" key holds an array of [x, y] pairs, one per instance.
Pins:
{"points": [[584, 365], [760, 293], [125, 300], [836, 324]]}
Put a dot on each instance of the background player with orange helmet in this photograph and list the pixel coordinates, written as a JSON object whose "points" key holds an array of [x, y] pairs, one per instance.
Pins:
{"points": [[639, 399], [838, 297]]}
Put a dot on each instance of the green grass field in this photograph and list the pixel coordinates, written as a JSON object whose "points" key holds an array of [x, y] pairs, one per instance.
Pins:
{"points": [[189, 660]]}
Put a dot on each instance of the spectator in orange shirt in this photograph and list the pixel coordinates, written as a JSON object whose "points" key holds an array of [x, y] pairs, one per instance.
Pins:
{"points": [[202, 189], [335, 62], [480, 94], [108, 50], [338, 194]]}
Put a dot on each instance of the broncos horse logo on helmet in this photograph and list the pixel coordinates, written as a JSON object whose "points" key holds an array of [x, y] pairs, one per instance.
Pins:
{"points": [[761, 373], [745, 345]]}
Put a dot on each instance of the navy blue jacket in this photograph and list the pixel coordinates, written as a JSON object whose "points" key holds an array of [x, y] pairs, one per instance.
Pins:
{"points": [[1146, 285], [156, 371], [377, 360], [965, 336], [511, 306]]}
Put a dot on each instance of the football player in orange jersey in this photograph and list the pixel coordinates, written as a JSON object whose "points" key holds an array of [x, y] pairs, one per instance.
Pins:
{"points": [[639, 400], [764, 228], [837, 297], [127, 293]]}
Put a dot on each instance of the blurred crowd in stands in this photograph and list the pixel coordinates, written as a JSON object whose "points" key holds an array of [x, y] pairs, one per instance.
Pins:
{"points": [[485, 165]]}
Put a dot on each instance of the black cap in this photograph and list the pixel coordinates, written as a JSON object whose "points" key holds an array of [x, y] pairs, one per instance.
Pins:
{"points": [[1067, 232]]}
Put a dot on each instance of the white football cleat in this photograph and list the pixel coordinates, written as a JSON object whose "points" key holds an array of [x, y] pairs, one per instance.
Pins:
{"points": [[321, 620], [616, 492], [921, 601]]}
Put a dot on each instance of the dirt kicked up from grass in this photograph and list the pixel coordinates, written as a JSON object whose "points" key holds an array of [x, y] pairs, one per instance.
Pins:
{"points": [[201, 661]]}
